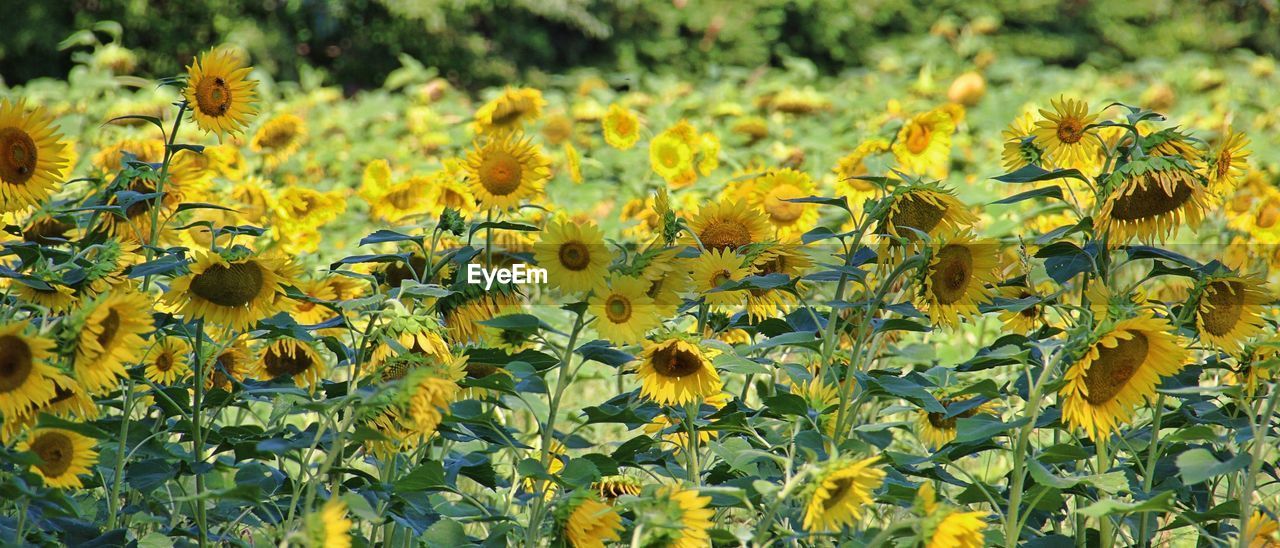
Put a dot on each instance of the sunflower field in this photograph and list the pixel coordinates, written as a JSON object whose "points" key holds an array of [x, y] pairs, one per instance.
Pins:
{"points": [[945, 302]]}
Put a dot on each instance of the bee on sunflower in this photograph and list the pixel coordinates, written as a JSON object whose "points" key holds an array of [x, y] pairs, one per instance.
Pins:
{"points": [[840, 492], [220, 94]]}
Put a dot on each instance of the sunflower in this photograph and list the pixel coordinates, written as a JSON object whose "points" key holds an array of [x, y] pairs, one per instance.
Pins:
{"points": [[70, 400], [111, 158], [591, 523], [675, 372], [510, 111], [947, 527], [621, 127], [132, 222], [710, 153], [574, 162], [330, 527], [235, 293], [312, 310], [927, 208], [1028, 318], [1020, 149], [25, 373], [108, 262], [288, 357], [463, 316], [728, 225], [429, 398], [671, 154], [754, 128], [1064, 136], [1262, 531], [505, 170], [611, 487], [853, 165], [57, 298], [938, 429], [624, 311], [220, 95], [840, 493], [168, 361], [1120, 369], [32, 156], [772, 193], [1227, 162], [923, 146], [575, 255], [64, 456], [713, 269], [686, 517], [235, 362], [306, 208], [111, 339], [1229, 310], [279, 138], [445, 191], [679, 437], [416, 338], [1150, 198], [955, 282]]}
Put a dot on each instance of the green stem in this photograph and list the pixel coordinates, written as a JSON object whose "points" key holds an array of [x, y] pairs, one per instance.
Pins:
{"points": [[197, 430], [563, 379], [1021, 448], [159, 199], [1106, 528], [694, 473], [116, 483], [1260, 431], [1148, 480]]}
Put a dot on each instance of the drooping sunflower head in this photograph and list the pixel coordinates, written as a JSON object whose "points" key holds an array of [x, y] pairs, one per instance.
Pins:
{"points": [[1026, 314], [956, 279], [728, 225], [923, 145], [624, 310], [1255, 365], [25, 374], [611, 487], [677, 517], [590, 523], [506, 170], [1065, 136], [1119, 370], [938, 429], [463, 312], [927, 208], [111, 339], [510, 111], [840, 493], [295, 359], [1229, 310], [52, 294], [219, 93], [233, 292], [232, 364], [428, 399], [32, 156], [63, 456], [574, 255], [1150, 198], [676, 371]]}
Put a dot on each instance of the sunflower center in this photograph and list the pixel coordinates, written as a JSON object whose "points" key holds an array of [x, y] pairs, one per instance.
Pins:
{"points": [[1112, 369], [669, 155], [918, 213], [951, 275], [401, 198], [1070, 131], [1150, 200], [837, 493], [55, 451], [574, 256], [213, 96], [918, 137], [673, 361], [1226, 306], [779, 209], [47, 231], [941, 420], [617, 308], [233, 286], [500, 173], [278, 136], [279, 364], [1224, 164], [110, 326], [164, 362], [722, 234], [15, 362], [18, 155]]}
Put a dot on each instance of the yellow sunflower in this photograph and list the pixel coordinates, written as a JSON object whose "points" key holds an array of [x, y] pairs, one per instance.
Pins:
{"points": [[611, 487], [841, 492], [219, 93], [234, 362], [1255, 365], [671, 154], [510, 111], [235, 293], [624, 311], [728, 225], [853, 165], [693, 517], [298, 360], [592, 523], [1020, 149], [771, 194], [1229, 311], [937, 429], [1026, 320], [25, 372], [709, 150], [429, 398], [330, 527], [956, 280], [948, 527], [1119, 370], [168, 361], [1063, 134], [279, 138], [32, 156], [446, 190], [621, 127], [1262, 530], [1150, 198], [923, 146], [713, 269], [676, 372], [926, 208], [574, 162], [57, 298], [506, 170], [64, 456], [111, 340], [1227, 162], [575, 255]]}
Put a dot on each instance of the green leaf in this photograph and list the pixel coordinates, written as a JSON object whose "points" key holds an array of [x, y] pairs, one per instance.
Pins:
{"points": [[1198, 464], [1045, 192], [980, 427], [427, 476], [522, 323], [1110, 482], [445, 532], [1032, 173], [579, 473], [1161, 502]]}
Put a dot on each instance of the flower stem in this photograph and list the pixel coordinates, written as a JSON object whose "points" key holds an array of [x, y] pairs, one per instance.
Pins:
{"points": [[113, 507]]}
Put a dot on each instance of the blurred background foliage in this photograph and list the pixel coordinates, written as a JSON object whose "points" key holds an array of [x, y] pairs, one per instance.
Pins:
{"points": [[474, 43]]}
